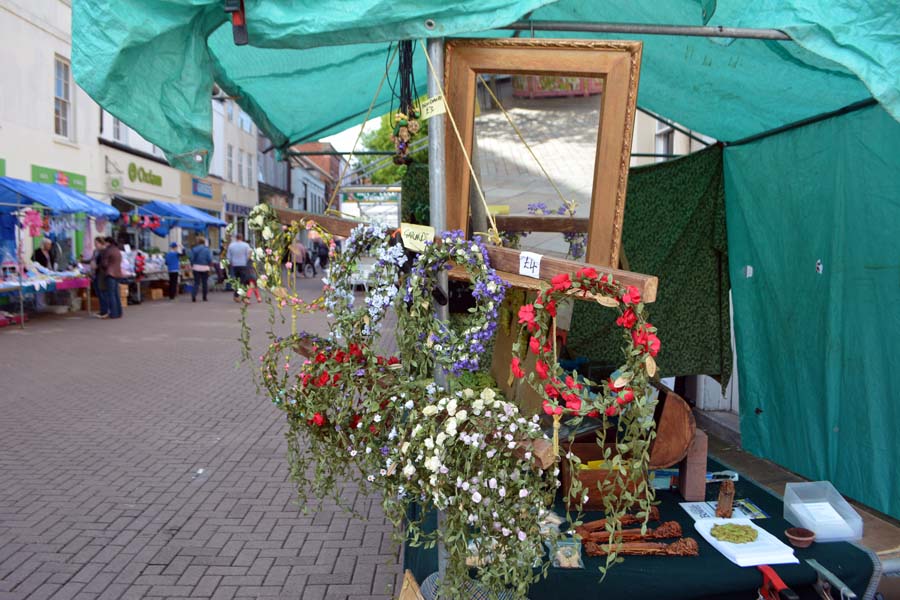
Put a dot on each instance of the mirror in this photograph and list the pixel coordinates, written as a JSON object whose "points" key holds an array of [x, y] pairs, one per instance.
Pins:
{"points": [[543, 84]]}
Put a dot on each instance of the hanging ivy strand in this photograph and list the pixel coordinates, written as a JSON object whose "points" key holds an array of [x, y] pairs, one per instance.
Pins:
{"points": [[624, 404], [361, 324], [454, 352]]}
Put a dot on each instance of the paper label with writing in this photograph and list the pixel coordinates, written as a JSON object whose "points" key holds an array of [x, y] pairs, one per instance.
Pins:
{"points": [[530, 265], [415, 236], [432, 107]]}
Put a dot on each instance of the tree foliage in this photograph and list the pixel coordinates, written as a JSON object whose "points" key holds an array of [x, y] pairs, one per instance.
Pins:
{"points": [[380, 139]]}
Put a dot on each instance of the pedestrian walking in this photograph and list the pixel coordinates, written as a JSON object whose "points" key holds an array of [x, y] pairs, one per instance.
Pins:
{"points": [[320, 249], [201, 259], [173, 265], [111, 259], [98, 276], [238, 255]]}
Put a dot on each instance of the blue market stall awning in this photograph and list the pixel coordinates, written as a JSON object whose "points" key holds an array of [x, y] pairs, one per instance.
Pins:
{"points": [[311, 68], [93, 207], [17, 193], [180, 215]]}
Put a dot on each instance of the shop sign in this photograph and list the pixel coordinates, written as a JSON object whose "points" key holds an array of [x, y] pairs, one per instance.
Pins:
{"points": [[75, 181], [136, 173], [237, 209], [114, 184], [201, 188], [2, 167]]}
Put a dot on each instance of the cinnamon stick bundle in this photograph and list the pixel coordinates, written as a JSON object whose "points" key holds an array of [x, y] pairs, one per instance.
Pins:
{"points": [[669, 529], [626, 520], [682, 547]]}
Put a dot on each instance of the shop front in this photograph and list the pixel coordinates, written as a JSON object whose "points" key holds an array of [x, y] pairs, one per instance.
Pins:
{"points": [[206, 195], [237, 214], [131, 182], [68, 231]]}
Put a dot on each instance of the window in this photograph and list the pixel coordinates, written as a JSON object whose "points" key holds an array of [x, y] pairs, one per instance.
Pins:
{"points": [[229, 110], [249, 170], [240, 167], [62, 98], [120, 132], [229, 163], [665, 141]]}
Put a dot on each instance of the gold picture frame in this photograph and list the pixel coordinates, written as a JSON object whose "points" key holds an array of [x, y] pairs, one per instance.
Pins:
{"points": [[616, 62]]}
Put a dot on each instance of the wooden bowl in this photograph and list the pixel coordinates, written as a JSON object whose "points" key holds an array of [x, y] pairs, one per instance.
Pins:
{"points": [[800, 537]]}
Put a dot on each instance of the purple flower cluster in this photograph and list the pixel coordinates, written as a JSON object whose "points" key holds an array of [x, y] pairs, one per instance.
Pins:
{"points": [[457, 354]]}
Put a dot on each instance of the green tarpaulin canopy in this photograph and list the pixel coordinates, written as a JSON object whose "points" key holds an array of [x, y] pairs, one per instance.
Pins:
{"points": [[312, 67], [814, 210]]}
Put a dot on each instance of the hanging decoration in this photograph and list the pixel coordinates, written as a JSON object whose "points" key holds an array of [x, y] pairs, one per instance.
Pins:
{"points": [[33, 221], [406, 120], [360, 325], [624, 403]]}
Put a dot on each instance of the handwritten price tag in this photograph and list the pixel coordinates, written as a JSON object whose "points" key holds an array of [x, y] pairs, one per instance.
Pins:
{"points": [[415, 236], [433, 107], [530, 265]]}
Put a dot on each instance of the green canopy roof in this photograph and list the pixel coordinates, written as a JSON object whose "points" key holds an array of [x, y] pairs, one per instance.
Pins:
{"points": [[312, 67]]}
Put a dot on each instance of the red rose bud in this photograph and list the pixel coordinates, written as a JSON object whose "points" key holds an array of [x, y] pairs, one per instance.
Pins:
{"points": [[611, 410], [573, 402], [548, 408], [561, 282], [321, 358], [551, 391], [319, 419], [627, 319], [526, 314], [379, 360], [632, 295], [336, 378], [373, 429], [551, 308], [587, 273], [594, 414], [541, 368], [393, 361], [323, 379], [305, 378], [516, 368], [534, 345], [627, 396]]}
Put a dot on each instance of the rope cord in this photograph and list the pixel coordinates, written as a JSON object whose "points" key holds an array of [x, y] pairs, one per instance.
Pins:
{"points": [[493, 233], [522, 138], [346, 165]]}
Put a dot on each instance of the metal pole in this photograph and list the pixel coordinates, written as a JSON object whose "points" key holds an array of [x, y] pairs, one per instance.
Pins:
{"points": [[437, 204], [673, 125], [641, 29]]}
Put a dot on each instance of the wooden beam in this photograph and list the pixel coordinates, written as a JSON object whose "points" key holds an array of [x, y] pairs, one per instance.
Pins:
{"points": [[507, 261], [531, 223], [336, 226]]}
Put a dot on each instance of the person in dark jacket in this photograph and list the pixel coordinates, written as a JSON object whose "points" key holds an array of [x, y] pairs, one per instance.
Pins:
{"points": [[45, 255], [111, 259], [98, 275], [173, 265], [201, 259]]}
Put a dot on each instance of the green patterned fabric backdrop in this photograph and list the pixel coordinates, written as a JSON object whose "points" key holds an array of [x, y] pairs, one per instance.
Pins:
{"points": [[675, 229]]}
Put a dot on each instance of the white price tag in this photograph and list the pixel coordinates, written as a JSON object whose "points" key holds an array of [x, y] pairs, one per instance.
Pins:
{"points": [[530, 265]]}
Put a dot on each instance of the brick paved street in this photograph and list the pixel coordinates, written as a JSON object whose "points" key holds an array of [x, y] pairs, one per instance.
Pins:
{"points": [[138, 461]]}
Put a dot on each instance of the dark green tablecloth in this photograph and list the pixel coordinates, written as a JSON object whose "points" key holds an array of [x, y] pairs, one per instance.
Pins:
{"points": [[709, 576]]}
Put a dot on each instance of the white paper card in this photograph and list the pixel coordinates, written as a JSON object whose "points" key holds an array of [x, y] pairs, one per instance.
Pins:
{"points": [[431, 107], [766, 550], [530, 265]]}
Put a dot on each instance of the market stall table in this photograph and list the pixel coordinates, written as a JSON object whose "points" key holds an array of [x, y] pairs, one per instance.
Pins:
{"points": [[709, 576]]}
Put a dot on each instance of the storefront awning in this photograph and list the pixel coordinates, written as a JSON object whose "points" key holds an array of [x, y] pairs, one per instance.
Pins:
{"points": [[17, 193], [180, 215]]}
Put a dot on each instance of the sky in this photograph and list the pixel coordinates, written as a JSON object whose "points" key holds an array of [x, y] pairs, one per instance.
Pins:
{"points": [[343, 141]]}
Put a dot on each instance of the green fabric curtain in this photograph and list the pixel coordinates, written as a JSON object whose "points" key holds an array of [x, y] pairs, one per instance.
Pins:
{"points": [[675, 229], [818, 368], [313, 67]]}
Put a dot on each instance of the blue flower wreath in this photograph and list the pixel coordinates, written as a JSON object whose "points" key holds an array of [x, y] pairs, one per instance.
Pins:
{"points": [[454, 352]]}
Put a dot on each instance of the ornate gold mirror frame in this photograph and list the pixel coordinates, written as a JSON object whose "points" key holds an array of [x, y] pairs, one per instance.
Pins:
{"points": [[617, 63]]}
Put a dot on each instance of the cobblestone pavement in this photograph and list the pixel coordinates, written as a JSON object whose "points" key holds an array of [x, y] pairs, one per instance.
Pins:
{"points": [[138, 461]]}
